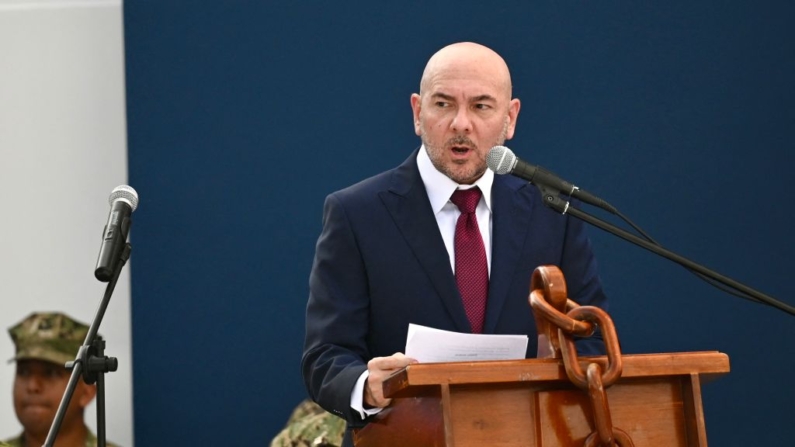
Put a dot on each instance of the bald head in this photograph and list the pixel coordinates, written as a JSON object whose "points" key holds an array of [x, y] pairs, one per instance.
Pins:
{"points": [[464, 108], [467, 60]]}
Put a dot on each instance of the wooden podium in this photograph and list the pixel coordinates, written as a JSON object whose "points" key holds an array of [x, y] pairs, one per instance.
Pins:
{"points": [[523, 403], [654, 400]]}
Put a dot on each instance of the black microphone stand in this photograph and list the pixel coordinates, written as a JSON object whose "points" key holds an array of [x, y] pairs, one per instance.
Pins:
{"points": [[91, 362], [551, 198]]}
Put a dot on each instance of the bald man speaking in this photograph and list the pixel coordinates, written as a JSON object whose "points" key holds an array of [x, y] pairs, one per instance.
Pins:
{"points": [[437, 241]]}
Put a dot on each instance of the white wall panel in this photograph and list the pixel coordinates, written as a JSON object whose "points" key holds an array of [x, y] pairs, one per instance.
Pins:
{"points": [[62, 150]]}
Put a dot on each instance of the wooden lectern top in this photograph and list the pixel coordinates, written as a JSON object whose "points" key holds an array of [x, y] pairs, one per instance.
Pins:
{"points": [[707, 364], [532, 403]]}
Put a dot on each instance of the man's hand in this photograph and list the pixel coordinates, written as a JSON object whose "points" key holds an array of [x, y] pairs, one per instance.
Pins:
{"points": [[380, 368]]}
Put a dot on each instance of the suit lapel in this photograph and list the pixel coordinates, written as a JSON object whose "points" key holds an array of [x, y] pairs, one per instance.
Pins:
{"points": [[407, 202], [510, 227]]}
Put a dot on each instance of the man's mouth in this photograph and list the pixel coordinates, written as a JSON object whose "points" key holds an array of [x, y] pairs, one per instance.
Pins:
{"points": [[34, 404], [460, 150]]}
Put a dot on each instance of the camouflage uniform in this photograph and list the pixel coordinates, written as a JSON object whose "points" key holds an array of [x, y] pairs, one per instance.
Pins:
{"points": [[311, 426], [19, 441], [51, 337]]}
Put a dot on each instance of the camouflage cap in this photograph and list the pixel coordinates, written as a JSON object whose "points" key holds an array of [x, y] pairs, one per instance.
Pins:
{"points": [[311, 426], [52, 337]]}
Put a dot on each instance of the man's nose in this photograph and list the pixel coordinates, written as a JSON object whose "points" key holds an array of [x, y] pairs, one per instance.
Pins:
{"points": [[34, 383], [461, 121]]}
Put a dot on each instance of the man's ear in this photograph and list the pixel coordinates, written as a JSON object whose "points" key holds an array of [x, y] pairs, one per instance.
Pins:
{"points": [[416, 104], [513, 115], [86, 393]]}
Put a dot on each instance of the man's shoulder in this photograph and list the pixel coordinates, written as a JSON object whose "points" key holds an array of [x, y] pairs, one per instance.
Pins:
{"points": [[366, 187], [17, 442], [12, 442], [369, 188], [91, 441]]}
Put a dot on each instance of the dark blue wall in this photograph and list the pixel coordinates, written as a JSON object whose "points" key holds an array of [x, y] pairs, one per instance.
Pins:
{"points": [[243, 115]]}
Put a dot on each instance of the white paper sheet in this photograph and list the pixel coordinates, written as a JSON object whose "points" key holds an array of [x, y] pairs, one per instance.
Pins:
{"points": [[429, 345]]}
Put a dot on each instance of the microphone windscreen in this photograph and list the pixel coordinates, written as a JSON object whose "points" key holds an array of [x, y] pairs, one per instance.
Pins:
{"points": [[501, 160], [125, 193]]}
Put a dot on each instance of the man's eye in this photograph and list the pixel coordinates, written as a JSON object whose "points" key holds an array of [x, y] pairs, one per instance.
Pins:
{"points": [[442, 104], [53, 373], [482, 106]]}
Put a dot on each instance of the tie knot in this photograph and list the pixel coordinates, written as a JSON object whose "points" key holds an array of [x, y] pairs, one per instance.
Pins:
{"points": [[466, 199]]}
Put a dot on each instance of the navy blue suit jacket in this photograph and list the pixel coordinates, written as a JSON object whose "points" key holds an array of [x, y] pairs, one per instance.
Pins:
{"points": [[381, 263]]}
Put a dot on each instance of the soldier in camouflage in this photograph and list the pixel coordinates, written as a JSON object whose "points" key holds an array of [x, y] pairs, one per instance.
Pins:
{"points": [[311, 426], [44, 342]]}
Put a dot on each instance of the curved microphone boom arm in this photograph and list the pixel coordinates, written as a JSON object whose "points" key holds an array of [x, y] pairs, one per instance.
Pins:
{"points": [[502, 161]]}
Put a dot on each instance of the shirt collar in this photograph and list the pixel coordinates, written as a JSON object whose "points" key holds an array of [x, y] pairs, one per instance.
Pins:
{"points": [[440, 187]]}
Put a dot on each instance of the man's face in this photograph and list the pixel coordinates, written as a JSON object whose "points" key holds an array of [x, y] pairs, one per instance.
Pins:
{"points": [[38, 388], [461, 115]]}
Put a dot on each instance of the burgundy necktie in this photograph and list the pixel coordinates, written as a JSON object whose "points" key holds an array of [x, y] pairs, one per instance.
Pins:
{"points": [[471, 269]]}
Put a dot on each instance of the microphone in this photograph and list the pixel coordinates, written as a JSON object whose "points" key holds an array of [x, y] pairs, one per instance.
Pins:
{"points": [[502, 160], [123, 201]]}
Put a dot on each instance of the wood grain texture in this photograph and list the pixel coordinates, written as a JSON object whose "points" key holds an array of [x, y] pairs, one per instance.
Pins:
{"points": [[522, 403]]}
